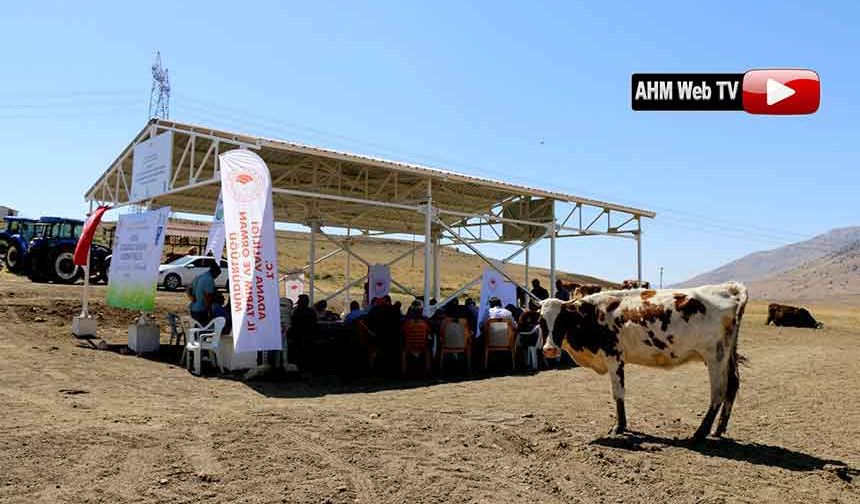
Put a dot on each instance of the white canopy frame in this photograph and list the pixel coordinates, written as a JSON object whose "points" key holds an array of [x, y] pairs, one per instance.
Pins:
{"points": [[373, 197]]}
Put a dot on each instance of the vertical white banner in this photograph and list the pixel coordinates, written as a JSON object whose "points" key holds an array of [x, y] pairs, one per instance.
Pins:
{"points": [[249, 225], [493, 284], [215, 242], [378, 281]]}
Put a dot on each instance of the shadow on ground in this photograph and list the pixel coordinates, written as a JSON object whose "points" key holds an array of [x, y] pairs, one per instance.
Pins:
{"points": [[753, 453], [319, 383]]}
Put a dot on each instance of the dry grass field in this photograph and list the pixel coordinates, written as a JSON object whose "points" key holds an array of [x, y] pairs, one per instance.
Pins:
{"points": [[81, 425]]}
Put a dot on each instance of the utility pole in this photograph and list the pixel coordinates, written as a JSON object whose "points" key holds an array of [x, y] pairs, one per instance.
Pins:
{"points": [[159, 94], [661, 276]]}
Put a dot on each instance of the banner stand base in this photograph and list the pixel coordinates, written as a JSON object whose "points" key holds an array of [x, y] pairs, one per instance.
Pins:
{"points": [[84, 326], [144, 336]]}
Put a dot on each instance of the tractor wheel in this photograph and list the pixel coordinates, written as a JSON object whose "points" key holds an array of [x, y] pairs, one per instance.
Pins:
{"points": [[13, 258], [172, 282], [64, 268]]}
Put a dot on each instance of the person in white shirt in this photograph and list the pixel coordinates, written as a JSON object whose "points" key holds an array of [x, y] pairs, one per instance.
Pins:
{"points": [[497, 312]]}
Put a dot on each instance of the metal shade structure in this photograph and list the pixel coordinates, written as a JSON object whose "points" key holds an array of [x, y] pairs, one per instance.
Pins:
{"points": [[325, 188]]}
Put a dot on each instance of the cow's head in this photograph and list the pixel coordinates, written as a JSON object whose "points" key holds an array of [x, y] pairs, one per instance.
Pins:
{"points": [[560, 318]]}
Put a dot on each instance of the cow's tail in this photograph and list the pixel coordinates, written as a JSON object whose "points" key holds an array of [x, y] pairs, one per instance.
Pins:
{"points": [[739, 292]]}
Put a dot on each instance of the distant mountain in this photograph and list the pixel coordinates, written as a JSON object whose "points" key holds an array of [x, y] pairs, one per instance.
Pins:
{"points": [[768, 263], [835, 276]]}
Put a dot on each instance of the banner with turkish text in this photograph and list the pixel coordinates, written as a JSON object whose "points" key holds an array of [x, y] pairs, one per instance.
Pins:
{"points": [[249, 226], [133, 272]]}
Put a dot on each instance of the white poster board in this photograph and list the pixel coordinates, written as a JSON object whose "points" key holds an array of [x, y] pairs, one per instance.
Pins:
{"points": [[494, 284], [378, 281], [215, 242], [294, 286], [151, 167], [136, 256], [251, 253]]}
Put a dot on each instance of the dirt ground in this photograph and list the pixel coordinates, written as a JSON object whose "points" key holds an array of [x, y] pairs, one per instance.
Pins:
{"points": [[85, 425]]}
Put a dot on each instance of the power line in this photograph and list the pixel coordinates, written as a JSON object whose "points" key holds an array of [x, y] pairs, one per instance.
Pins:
{"points": [[77, 103], [72, 94], [70, 113]]}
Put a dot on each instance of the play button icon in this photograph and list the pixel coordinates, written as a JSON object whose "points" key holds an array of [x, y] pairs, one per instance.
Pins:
{"points": [[776, 92], [781, 91]]}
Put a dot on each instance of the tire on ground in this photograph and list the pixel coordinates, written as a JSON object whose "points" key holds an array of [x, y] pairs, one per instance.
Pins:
{"points": [[64, 268], [13, 258]]}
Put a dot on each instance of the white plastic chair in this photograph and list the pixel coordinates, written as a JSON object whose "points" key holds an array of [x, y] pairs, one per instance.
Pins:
{"points": [[532, 351], [205, 339], [188, 326]]}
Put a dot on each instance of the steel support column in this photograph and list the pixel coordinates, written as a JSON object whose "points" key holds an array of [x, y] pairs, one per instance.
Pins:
{"points": [[346, 278], [428, 253], [312, 260], [639, 257], [437, 280], [526, 269], [553, 232]]}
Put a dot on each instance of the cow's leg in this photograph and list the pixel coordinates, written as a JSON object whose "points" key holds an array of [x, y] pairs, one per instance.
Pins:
{"points": [[732, 384], [616, 376], [717, 374]]}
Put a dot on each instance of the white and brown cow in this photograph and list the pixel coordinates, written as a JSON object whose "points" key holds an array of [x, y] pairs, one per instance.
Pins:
{"points": [[663, 328]]}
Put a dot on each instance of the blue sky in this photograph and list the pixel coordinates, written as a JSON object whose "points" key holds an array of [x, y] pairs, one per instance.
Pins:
{"points": [[468, 87]]}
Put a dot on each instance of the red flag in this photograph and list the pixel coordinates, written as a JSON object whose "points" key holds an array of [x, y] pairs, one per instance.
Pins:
{"points": [[86, 240]]}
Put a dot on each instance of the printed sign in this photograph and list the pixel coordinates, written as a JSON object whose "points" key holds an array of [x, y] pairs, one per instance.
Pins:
{"points": [[294, 286], [151, 167], [378, 280], [136, 256], [215, 243], [494, 284], [246, 190]]}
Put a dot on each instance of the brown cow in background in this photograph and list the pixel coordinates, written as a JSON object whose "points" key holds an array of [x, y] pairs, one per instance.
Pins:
{"points": [[791, 316], [634, 284], [586, 290]]}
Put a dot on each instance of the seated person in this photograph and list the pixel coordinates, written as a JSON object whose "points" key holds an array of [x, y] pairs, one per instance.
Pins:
{"points": [[415, 311], [355, 313], [561, 291], [497, 312], [202, 294], [221, 308], [473, 314], [323, 313], [384, 320], [516, 311], [303, 325], [455, 310]]}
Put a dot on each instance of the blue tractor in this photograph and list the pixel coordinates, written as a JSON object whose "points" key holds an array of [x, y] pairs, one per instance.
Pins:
{"points": [[15, 240], [51, 253]]}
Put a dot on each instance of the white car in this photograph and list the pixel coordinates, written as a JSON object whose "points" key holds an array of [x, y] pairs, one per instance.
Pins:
{"points": [[181, 272]]}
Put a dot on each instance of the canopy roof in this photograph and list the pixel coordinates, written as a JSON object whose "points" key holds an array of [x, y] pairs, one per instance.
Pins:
{"points": [[329, 187]]}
